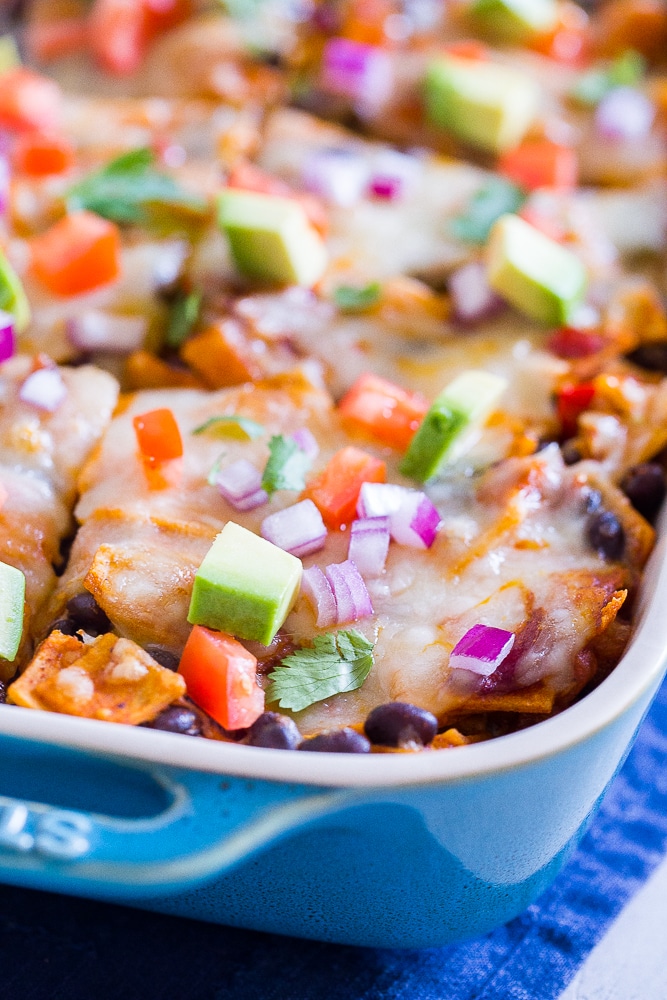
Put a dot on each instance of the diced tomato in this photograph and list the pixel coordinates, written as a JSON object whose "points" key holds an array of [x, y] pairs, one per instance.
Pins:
{"points": [[40, 155], [164, 14], [29, 101], [545, 223], [571, 401], [571, 344], [335, 490], [118, 34], [158, 436], [247, 177], [121, 30], [468, 48], [54, 39], [568, 40], [77, 254], [384, 410], [540, 163], [221, 676]]}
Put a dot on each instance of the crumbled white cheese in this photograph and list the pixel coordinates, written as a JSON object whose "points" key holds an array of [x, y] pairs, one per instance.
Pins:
{"points": [[75, 683]]}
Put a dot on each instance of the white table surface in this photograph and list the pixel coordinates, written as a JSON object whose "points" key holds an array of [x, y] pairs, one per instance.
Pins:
{"points": [[630, 962]]}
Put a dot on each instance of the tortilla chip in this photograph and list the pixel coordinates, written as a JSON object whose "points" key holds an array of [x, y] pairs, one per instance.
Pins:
{"points": [[538, 699], [111, 678]]}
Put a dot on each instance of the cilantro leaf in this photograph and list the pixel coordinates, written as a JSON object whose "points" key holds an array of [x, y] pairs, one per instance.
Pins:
{"points": [[286, 467], [232, 426], [127, 188], [337, 662], [496, 198], [352, 300], [625, 71], [183, 317]]}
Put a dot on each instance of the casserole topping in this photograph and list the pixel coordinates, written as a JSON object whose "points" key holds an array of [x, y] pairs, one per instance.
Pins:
{"points": [[312, 436]]}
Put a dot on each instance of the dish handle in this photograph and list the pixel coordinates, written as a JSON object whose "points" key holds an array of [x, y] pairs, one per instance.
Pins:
{"points": [[203, 824]]}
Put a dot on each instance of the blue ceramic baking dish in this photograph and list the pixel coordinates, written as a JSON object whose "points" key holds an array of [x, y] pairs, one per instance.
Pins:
{"points": [[388, 850]]}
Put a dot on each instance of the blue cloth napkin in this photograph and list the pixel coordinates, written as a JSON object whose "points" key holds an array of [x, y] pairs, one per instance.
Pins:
{"points": [[63, 949]]}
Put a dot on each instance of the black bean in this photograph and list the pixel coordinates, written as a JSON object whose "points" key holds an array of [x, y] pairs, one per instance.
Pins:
{"points": [[64, 551], [177, 719], [337, 741], [86, 612], [653, 356], [605, 534], [163, 656], [3, 692], [398, 723], [544, 442], [274, 730], [64, 625], [645, 488], [270, 59], [571, 452]]}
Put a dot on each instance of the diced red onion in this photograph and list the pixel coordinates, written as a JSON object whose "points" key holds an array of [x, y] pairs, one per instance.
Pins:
{"points": [[298, 529], [317, 590], [241, 485], [338, 175], [393, 174], [352, 599], [5, 176], [482, 649], [473, 299], [44, 389], [99, 331], [378, 499], [7, 336], [413, 520], [416, 521], [173, 155], [425, 15], [355, 70], [386, 188], [571, 343], [624, 113], [369, 544], [585, 316], [306, 442]]}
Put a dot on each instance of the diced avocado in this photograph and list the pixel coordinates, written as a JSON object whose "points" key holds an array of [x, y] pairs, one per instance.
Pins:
{"points": [[245, 586], [12, 297], [9, 54], [514, 21], [537, 275], [271, 238], [482, 103], [461, 407], [12, 599]]}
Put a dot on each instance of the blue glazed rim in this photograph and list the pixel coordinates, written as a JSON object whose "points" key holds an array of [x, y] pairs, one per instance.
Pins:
{"points": [[640, 669]]}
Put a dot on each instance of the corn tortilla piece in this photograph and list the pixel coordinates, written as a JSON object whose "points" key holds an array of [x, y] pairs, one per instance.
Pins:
{"points": [[111, 679], [451, 738], [125, 560], [538, 699], [639, 535]]}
